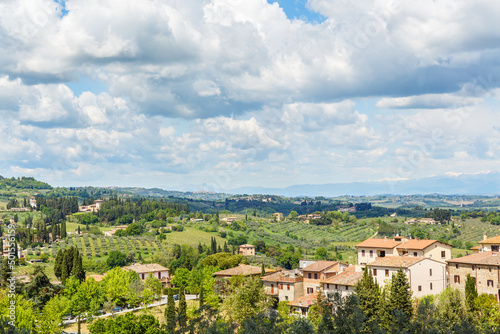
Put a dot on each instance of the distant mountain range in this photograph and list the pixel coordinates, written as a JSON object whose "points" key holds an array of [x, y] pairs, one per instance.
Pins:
{"points": [[464, 184]]}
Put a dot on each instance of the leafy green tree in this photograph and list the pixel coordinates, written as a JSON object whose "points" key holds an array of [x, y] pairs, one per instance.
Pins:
{"points": [[5, 273], [194, 282], [321, 253], [300, 326], [152, 289], [470, 294], [116, 284], [181, 277], [52, 314], [135, 289], [245, 301], [368, 293], [451, 309], [202, 295], [127, 323], [39, 290], [6, 328], [25, 311], [400, 297], [489, 312], [116, 259]]}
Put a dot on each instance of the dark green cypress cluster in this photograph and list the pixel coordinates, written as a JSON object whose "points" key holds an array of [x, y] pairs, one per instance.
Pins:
{"points": [[69, 263]]}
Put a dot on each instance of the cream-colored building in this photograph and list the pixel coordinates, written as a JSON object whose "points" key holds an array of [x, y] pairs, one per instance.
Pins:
{"points": [[247, 250], [343, 282], [371, 249], [153, 269], [285, 285], [426, 276], [432, 249], [489, 244], [314, 273]]}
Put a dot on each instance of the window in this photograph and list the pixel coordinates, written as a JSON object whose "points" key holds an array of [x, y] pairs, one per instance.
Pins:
{"points": [[419, 288], [286, 297], [494, 248], [431, 286], [489, 270], [387, 273], [363, 253], [288, 287], [443, 254], [281, 286], [336, 287], [371, 253], [456, 266], [272, 288], [414, 253], [309, 275], [346, 288], [473, 268], [430, 272], [489, 283], [457, 279], [315, 276], [310, 291], [328, 286], [374, 272]]}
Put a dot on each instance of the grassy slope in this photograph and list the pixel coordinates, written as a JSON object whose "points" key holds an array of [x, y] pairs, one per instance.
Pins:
{"points": [[192, 236]]}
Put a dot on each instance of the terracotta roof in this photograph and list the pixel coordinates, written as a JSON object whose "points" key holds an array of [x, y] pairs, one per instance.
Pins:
{"points": [[379, 243], [396, 261], [487, 258], [345, 278], [247, 245], [304, 301], [476, 247], [281, 276], [97, 278], [494, 240], [416, 244], [319, 265], [242, 269], [146, 268]]}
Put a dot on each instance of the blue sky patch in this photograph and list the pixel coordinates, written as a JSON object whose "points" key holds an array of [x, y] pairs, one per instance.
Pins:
{"points": [[297, 9]]}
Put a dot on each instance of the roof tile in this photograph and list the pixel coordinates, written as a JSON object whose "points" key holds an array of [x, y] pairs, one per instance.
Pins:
{"points": [[486, 258], [379, 243]]}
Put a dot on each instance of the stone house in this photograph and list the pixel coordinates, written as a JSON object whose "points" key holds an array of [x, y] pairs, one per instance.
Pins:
{"points": [[247, 250], [284, 285], [484, 268], [371, 249], [154, 269], [302, 304]]}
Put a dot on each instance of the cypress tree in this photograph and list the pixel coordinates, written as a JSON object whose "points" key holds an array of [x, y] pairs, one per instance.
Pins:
{"points": [[6, 273], [226, 249], [63, 230], [384, 311], [170, 313], [200, 248], [368, 292], [202, 295], [263, 271], [77, 269], [58, 263], [400, 297], [470, 293], [182, 316]]}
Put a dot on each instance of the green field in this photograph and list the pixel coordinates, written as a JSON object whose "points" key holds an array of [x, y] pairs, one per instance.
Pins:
{"points": [[191, 236]]}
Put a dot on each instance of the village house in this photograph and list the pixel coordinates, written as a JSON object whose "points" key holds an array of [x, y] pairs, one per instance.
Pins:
{"points": [[285, 285], [113, 231], [302, 304], [432, 249], [426, 276], [153, 269], [489, 244], [314, 273], [343, 282], [242, 270], [32, 200], [229, 220], [484, 268], [304, 263], [278, 216], [92, 207], [371, 249], [247, 250]]}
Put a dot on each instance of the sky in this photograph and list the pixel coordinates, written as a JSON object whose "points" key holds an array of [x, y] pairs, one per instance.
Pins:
{"points": [[221, 94]]}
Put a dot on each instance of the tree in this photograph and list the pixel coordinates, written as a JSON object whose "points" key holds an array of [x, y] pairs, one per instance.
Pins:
{"points": [[245, 301], [116, 259], [5, 272], [400, 296], [450, 307], [39, 290], [170, 312], [181, 313], [321, 253], [368, 293], [181, 277], [300, 326], [77, 269], [152, 289], [116, 284], [202, 295], [263, 270], [470, 294]]}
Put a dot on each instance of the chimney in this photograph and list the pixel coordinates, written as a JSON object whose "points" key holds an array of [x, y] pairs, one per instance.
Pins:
{"points": [[485, 236], [385, 238]]}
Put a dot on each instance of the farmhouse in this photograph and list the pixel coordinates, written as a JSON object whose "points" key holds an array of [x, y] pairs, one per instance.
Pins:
{"points": [[153, 269], [242, 270], [246, 250]]}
